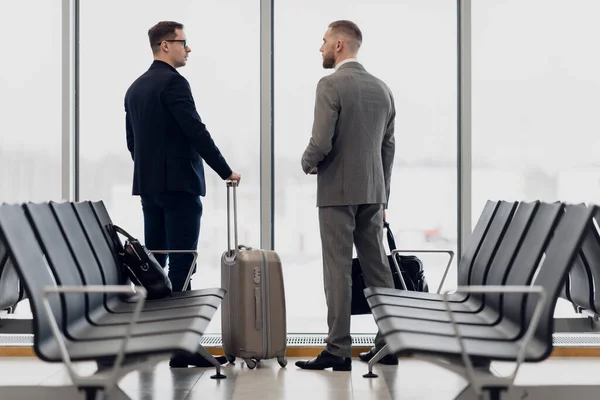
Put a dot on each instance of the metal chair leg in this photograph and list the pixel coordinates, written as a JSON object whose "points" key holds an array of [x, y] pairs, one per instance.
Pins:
{"points": [[205, 353], [380, 354]]}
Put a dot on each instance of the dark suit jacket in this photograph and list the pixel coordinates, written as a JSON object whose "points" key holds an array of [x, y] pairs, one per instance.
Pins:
{"points": [[166, 137]]}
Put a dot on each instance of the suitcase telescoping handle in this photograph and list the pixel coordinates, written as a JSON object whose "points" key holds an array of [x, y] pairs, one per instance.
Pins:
{"points": [[231, 186]]}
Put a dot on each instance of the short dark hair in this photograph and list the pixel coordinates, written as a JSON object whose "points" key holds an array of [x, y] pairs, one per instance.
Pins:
{"points": [[348, 28], [164, 30]]}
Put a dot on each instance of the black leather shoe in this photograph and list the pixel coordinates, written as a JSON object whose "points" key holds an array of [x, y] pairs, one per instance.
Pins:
{"points": [[327, 360], [196, 360], [388, 359]]}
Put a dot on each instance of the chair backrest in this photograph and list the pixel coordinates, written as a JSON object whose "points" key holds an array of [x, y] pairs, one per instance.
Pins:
{"points": [[508, 249], [28, 258], [528, 259], [474, 243], [585, 294], [560, 254], [578, 288], [580, 278], [103, 219], [3, 256], [565, 292], [104, 251], [595, 267], [59, 257], [10, 287], [80, 247], [491, 241]]}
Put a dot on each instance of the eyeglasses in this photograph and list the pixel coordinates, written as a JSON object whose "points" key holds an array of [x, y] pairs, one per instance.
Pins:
{"points": [[183, 41]]}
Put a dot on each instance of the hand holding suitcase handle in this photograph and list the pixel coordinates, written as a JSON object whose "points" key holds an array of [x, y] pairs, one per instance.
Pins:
{"points": [[233, 185]]}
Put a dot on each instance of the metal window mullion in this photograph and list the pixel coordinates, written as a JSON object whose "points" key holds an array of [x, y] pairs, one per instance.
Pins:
{"points": [[464, 125], [67, 121], [76, 114], [266, 126]]}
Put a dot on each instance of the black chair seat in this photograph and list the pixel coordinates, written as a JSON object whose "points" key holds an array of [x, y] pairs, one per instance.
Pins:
{"points": [[82, 330], [471, 306], [410, 295], [505, 330], [102, 318], [149, 345], [174, 296], [401, 343], [203, 297], [379, 310]]}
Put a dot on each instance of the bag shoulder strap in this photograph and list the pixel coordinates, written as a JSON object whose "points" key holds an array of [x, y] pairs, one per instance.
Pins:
{"points": [[390, 236], [123, 232]]}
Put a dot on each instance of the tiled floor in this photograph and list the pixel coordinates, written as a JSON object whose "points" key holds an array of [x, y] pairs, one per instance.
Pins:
{"points": [[411, 379]]}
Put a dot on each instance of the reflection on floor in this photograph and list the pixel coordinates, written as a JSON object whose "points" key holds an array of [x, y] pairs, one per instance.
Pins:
{"points": [[409, 380]]}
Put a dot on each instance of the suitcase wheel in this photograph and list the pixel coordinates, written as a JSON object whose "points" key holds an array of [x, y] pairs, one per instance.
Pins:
{"points": [[250, 363], [230, 358], [282, 361]]}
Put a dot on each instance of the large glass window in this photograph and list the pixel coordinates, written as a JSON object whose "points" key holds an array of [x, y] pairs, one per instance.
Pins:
{"points": [[411, 46], [30, 102], [535, 102], [223, 71]]}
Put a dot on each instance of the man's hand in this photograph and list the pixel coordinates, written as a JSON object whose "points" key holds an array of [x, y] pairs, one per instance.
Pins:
{"points": [[235, 177], [384, 216]]}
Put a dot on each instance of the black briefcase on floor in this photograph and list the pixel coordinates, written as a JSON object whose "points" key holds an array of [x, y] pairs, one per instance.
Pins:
{"points": [[412, 272]]}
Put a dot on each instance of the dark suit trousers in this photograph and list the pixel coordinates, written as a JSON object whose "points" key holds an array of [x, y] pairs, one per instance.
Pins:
{"points": [[341, 227], [172, 222]]}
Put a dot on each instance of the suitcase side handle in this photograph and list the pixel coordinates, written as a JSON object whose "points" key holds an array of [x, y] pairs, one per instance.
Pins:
{"points": [[231, 186], [257, 310]]}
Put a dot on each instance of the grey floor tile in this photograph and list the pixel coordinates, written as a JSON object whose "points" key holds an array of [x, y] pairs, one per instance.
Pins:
{"points": [[411, 379], [216, 389], [160, 394], [304, 394], [164, 378], [62, 377], [555, 371], [414, 379], [371, 395], [26, 371]]}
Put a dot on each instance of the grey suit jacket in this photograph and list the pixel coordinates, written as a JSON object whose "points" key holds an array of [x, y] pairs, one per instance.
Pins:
{"points": [[352, 144]]}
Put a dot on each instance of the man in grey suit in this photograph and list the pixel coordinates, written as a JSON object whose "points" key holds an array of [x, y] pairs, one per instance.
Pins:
{"points": [[351, 151]]}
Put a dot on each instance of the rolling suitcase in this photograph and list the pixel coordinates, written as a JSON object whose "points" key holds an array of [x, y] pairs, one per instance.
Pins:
{"points": [[253, 322]]}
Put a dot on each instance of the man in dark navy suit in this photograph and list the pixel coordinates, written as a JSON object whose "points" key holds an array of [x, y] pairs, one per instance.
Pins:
{"points": [[168, 142]]}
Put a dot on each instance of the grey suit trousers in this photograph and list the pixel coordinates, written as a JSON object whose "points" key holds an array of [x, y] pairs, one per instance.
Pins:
{"points": [[341, 227]]}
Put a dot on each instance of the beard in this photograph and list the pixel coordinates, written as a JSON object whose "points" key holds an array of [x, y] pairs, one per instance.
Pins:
{"points": [[328, 62]]}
